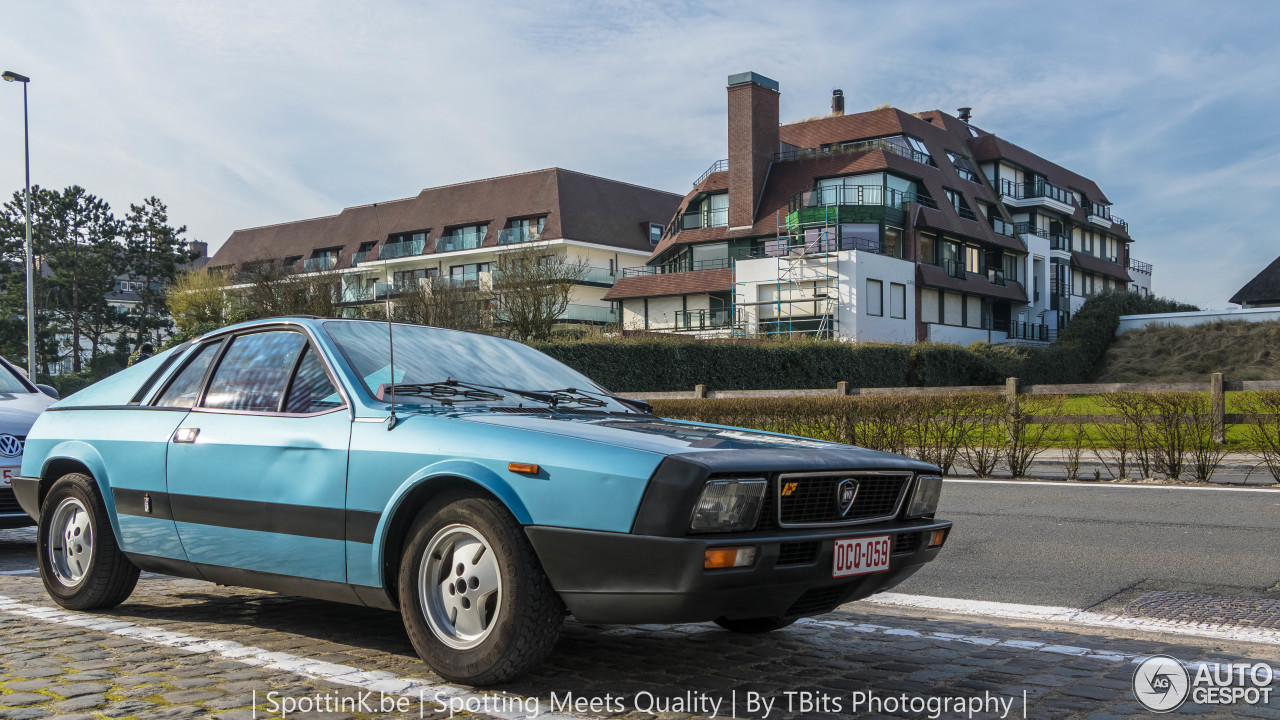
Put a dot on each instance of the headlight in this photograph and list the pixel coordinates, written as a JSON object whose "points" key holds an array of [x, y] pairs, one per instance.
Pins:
{"points": [[924, 497], [728, 505]]}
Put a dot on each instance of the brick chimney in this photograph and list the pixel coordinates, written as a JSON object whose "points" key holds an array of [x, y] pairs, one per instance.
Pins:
{"points": [[753, 141]]}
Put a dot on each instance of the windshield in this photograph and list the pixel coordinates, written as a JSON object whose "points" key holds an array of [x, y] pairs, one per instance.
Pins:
{"points": [[433, 355], [10, 382]]}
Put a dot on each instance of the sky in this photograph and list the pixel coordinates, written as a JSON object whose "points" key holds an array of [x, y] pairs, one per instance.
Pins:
{"points": [[241, 114]]}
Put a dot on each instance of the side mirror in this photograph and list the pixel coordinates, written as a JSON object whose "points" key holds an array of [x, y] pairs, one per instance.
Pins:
{"points": [[48, 390]]}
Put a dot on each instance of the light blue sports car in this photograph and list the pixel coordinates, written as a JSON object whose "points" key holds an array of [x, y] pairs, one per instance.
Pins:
{"points": [[474, 484]]}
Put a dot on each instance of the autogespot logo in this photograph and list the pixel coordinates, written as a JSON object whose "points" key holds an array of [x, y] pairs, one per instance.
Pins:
{"points": [[1161, 683]]}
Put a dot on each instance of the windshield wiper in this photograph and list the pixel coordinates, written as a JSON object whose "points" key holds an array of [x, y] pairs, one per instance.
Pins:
{"points": [[444, 390]]}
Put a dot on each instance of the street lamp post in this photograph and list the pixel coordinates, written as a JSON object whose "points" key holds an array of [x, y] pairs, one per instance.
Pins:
{"points": [[11, 76]]}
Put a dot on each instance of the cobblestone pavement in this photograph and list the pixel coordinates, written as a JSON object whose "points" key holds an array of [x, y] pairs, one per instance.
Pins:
{"points": [[182, 648]]}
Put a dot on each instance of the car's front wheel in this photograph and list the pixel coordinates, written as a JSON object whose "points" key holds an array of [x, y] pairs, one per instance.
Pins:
{"points": [[80, 563], [476, 604]]}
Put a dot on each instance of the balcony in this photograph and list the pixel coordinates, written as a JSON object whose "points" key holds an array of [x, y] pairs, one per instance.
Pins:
{"points": [[717, 166], [403, 248], [369, 293], [598, 276], [459, 241], [713, 264], [1099, 214], [1056, 242], [859, 146], [358, 257], [995, 276], [698, 219], [320, 264], [856, 196], [954, 268], [513, 235], [471, 280], [1001, 227], [589, 313], [1138, 266], [695, 320], [1030, 193], [1019, 330]]}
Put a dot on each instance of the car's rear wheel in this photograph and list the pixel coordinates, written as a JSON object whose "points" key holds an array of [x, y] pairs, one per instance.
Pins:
{"points": [[80, 562], [754, 626], [476, 603]]}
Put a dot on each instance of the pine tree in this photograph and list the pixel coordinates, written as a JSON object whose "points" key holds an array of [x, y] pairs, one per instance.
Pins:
{"points": [[154, 252]]}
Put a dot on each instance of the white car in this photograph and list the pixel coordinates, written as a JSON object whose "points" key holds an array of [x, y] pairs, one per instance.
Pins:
{"points": [[21, 402]]}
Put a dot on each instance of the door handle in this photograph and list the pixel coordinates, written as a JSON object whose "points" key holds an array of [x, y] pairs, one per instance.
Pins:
{"points": [[185, 435]]}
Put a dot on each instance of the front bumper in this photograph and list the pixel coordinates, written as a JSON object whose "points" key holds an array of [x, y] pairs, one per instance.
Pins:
{"points": [[15, 507], [626, 578]]}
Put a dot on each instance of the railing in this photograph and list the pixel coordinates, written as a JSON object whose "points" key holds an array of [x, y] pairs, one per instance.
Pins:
{"points": [[1060, 288], [1019, 330], [1025, 228], [589, 313], [717, 166], [858, 146], [703, 319], [1100, 210], [403, 248], [358, 257], [1056, 242], [1029, 189], [1003, 227], [460, 241], [1060, 242], [463, 280], [995, 276], [320, 264], [1115, 220], [599, 275], [1139, 266], [954, 268], [965, 212], [698, 219], [866, 195], [513, 235], [365, 294], [713, 264]]}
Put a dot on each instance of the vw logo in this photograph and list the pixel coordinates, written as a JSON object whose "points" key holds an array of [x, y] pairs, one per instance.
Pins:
{"points": [[846, 491], [10, 446]]}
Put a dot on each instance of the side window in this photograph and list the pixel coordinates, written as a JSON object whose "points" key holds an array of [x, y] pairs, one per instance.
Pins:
{"points": [[254, 371], [185, 387], [311, 390]]}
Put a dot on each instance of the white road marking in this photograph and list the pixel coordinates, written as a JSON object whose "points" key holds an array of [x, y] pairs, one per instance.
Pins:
{"points": [[1069, 616], [1127, 486], [372, 680]]}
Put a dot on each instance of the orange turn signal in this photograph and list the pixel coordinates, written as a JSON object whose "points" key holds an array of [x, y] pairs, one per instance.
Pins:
{"points": [[718, 558], [523, 468], [937, 538]]}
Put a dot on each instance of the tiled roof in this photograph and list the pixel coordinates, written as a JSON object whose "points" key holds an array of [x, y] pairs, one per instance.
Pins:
{"points": [[1263, 288], [698, 281], [1099, 266], [935, 276], [577, 206]]}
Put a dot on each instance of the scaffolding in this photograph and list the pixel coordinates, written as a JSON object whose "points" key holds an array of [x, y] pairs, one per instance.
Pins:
{"points": [[805, 297]]}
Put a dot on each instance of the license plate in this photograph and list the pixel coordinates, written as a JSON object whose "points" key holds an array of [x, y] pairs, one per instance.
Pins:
{"points": [[7, 474], [859, 556]]}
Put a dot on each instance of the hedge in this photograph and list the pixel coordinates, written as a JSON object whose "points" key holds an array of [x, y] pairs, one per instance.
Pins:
{"points": [[656, 364]]}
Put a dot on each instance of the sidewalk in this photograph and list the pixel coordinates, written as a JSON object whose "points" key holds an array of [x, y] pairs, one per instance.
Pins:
{"points": [[1236, 468]]}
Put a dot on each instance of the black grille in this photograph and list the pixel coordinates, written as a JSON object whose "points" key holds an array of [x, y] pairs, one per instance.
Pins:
{"points": [[906, 543], [817, 601], [813, 499], [797, 553], [8, 503], [768, 508]]}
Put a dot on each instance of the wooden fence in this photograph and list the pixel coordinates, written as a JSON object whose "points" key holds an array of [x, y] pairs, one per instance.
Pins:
{"points": [[1217, 387]]}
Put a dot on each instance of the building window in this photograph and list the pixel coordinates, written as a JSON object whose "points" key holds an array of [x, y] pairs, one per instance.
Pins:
{"points": [[875, 298], [897, 300], [521, 230], [715, 211], [655, 233], [893, 242], [467, 237], [929, 249], [972, 259], [1012, 265], [963, 167]]}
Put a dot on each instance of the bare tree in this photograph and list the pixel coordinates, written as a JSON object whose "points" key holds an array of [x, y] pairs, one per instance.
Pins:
{"points": [[442, 302], [271, 291], [531, 289]]}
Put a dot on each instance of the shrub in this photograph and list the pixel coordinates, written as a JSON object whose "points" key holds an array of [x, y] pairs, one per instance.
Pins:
{"points": [[1262, 411], [985, 443], [1027, 438]]}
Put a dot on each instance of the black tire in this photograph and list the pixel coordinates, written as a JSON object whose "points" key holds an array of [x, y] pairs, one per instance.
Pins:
{"points": [[754, 626], [109, 578], [529, 613]]}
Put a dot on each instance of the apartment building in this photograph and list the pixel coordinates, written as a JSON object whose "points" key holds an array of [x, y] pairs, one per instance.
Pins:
{"points": [[457, 231], [877, 226]]}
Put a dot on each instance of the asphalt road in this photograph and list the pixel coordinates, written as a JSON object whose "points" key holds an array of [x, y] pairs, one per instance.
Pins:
{"points": [[1081, 545]]}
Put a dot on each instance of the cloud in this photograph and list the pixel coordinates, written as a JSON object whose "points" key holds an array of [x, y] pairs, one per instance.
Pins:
{"points": [[241, 114]]}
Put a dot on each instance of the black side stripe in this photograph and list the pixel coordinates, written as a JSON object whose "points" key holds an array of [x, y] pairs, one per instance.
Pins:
{"points": [[282, 518]]}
